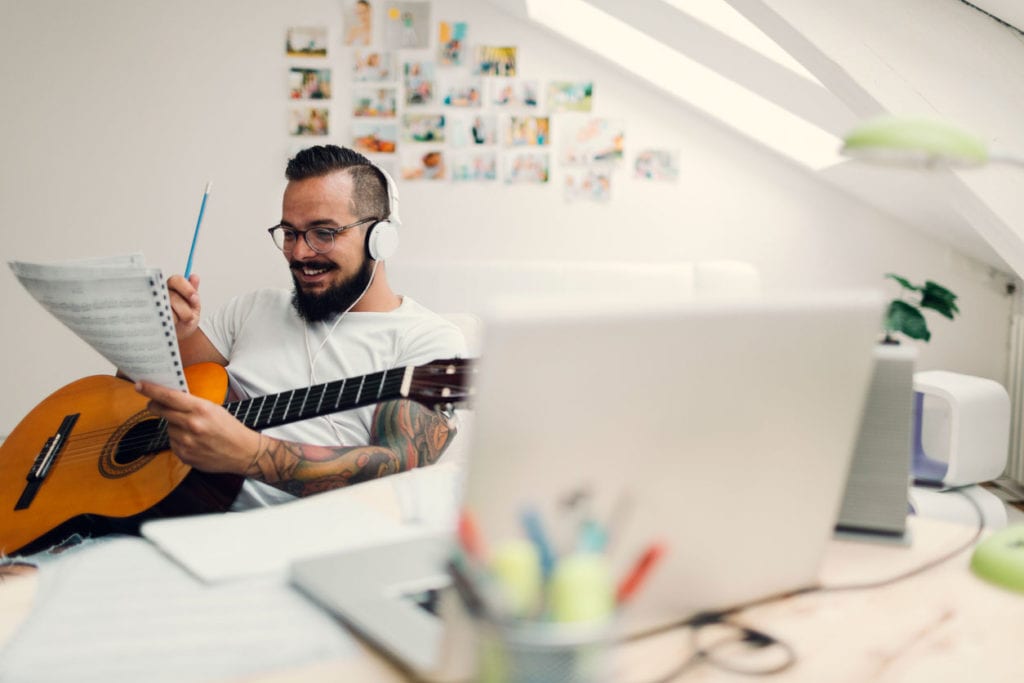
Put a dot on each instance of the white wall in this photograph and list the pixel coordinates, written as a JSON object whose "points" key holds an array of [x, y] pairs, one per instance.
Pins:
{"points": [[117, 112]]}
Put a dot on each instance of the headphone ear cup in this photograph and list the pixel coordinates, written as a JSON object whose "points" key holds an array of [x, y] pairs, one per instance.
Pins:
{"points": [[382, 240]]}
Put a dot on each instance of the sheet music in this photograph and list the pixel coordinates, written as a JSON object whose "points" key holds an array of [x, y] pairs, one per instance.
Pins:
{"points": [[118, 610], [116, 305], [265, 541]]}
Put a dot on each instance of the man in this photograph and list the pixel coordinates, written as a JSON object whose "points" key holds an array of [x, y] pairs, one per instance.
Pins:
{"points": [[341, 320]]}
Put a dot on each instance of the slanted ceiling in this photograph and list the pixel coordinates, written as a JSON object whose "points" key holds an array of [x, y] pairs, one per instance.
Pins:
{"points": [[948, 59]]}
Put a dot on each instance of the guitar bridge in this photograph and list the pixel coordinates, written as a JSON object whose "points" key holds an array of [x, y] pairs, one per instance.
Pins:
{"points": [[44, 461]]}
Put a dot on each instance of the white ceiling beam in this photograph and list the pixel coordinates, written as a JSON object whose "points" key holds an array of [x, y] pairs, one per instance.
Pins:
{"points": [[732, 59]]}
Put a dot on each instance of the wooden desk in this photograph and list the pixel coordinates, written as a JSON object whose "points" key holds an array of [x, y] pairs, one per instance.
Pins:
{"points": [[944, 625]]}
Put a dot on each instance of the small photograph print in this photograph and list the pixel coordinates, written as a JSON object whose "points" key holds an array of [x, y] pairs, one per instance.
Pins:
{"points": [[528, 130], [379, 102], [591, 184], [526, 168], [306, 41], [372, 137], [308, 121], [462, 92], [588, 140], [570, 96], [357, 23], [451, 42], [406, 25], [309, 84], [419, 81], [513, 92], [372, 66], [494, 61], [423, 127], [656, 164], [422, 165], [476, 165], [464, 130]]}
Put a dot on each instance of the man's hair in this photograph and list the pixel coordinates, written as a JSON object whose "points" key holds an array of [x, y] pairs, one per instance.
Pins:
{"points": [[369, 187]]}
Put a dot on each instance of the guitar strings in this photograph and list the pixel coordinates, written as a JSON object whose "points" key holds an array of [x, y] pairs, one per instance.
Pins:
{"points": [[88, 445]]}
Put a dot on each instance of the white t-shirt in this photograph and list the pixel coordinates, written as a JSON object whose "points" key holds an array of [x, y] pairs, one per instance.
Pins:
{"points": [[271, 350]]}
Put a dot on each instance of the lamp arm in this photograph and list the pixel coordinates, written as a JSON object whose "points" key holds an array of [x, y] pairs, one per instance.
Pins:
{"points": [[1006, 159]]}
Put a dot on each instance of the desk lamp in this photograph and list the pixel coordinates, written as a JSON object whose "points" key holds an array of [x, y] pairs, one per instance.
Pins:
{"points": [[920, 143], [925, 143]]}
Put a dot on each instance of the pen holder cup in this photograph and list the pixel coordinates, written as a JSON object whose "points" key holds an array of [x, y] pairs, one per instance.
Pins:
{"points": [[535, 652]]}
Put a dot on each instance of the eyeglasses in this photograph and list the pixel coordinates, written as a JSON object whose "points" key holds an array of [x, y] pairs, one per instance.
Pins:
{"points": [[320, 240]]}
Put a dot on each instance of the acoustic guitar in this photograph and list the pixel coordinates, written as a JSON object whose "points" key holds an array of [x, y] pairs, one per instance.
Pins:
{"points": [[91, 458]]}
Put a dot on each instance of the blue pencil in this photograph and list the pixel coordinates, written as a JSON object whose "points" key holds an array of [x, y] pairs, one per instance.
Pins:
{"points": [[195, 235]]}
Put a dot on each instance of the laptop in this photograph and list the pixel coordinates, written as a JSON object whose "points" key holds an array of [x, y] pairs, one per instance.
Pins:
{"points": [[722, 429]]}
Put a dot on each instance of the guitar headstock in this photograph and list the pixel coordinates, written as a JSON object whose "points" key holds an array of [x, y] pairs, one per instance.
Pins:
{"points": [[442, 384]]}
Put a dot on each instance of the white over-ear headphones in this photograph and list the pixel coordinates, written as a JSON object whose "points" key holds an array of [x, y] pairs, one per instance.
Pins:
{"points": [[382, 237]]}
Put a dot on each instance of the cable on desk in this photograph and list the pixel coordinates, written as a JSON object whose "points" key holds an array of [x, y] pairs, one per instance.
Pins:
{"points": [[978, 531], [759, 639], [759, 654]]}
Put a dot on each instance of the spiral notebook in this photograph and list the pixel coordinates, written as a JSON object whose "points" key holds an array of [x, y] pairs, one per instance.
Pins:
{"points": [[116, 305]]}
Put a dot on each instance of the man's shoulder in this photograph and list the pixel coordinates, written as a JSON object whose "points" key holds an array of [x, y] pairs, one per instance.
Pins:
{"points": [[425, 323]]}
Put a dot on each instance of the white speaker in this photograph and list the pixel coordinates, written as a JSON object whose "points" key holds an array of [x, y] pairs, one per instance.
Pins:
{"points": [[876, 498], [962, 428]]}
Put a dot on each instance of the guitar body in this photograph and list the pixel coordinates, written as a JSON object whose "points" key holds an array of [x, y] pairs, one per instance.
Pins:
{"points": [[102, 469], [90, 458]]}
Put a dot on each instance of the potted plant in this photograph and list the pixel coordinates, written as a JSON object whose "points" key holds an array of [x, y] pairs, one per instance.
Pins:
{"points": [[907, 317]]}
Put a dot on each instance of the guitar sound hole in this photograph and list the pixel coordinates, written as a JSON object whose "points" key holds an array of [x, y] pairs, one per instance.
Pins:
{"points": [[139, 441]]}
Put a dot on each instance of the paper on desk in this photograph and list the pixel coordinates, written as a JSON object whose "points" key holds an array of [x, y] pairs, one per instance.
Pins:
{"points": [[116, 305], [118, 610], [267, 540]]}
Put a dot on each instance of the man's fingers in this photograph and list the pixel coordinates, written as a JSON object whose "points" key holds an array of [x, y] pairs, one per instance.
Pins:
{"points": [[170, 398]]}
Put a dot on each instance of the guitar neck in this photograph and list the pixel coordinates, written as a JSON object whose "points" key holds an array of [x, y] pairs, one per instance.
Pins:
{"points": [[264, 412]]}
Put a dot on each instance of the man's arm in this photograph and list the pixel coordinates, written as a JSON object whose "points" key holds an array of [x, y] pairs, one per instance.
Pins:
{"points": [[193, 344], [404, 435]]}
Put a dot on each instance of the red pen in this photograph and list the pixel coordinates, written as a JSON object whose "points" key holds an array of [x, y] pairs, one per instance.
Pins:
{"points": [[632, 581], [469, 536]]}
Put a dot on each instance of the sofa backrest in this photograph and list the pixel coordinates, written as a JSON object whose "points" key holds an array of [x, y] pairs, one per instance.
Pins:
{"points": [[462, 290]]}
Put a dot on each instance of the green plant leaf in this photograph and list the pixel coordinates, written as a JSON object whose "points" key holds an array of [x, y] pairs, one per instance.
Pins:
{"points": [[904, 282], [905, 318], [938, 298]]}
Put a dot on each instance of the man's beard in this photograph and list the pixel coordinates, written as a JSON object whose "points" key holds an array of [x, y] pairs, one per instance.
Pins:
{"points": [[336, 299]]}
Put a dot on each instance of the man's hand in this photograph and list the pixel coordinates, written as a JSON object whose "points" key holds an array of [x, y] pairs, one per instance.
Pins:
{"points": [[202, 434], [185, 304]]}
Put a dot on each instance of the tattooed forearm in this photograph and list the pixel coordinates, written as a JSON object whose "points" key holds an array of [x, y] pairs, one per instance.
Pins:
{"points": [[303, 470], [404, 435], [416, 433]]}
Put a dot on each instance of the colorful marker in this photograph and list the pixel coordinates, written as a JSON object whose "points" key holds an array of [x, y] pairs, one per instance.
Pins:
{"points": [[633, 580]]}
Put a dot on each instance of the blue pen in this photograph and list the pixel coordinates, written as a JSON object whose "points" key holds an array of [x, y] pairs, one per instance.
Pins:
{"points": [[535, 532], [592, 537], [195, 235]]}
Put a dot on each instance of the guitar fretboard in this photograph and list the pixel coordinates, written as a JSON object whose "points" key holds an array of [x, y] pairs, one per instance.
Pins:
{"points": [[264, 412], [272, 410]]}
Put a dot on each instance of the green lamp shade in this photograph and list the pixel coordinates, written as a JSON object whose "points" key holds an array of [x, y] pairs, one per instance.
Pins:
{"points": [[914, 142], [999, 559]]}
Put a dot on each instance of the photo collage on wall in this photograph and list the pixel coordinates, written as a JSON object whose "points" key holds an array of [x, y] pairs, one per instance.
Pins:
{"points": [[427, 102]]}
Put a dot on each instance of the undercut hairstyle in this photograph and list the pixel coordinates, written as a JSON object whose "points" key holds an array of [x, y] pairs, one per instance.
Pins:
{"points": [[369, 187]]}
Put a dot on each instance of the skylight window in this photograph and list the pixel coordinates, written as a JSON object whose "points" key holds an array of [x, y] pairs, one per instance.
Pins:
{"points": [[688, 80]]}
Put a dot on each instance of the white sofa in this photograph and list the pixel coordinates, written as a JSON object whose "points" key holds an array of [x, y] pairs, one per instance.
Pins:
{"points": [[462, 290]]}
